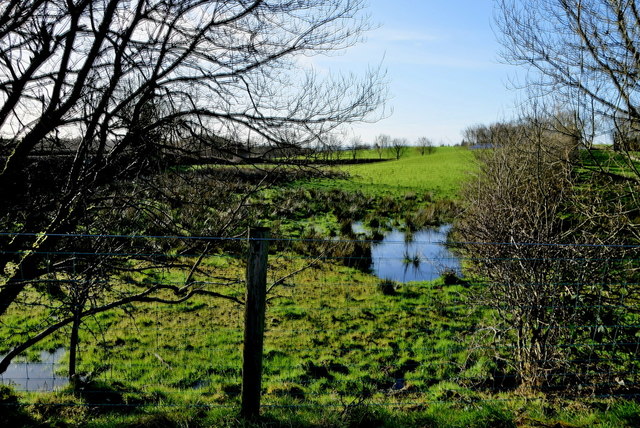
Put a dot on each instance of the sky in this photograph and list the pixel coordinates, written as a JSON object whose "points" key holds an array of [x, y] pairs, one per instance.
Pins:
{"points": [[442, 63]]}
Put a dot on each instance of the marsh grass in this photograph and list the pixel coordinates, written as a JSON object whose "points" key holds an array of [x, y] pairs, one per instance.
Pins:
{"points": [[331, 337], [388, 287], [338, 350], [412, 193], [341, 349], [409, 259]]}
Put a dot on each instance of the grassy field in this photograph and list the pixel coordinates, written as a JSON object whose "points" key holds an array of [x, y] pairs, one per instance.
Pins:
{"points": [[439, 174], [342, 347], [409, 194], [605, 159]]}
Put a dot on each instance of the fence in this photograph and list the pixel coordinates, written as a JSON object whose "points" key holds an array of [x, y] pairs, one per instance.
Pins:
{"points": [[158, 321]]}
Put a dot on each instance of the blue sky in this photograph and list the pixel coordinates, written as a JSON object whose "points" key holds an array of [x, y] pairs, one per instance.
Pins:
{"points": [[443, 66]]}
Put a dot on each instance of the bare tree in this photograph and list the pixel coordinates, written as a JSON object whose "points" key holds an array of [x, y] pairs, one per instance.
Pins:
{"points": [[534, 234], [355, 146], [581, 58], [381, 144], [100, 99], [585, 54], [476, 135], [331, 145], [399, 147], [425, 145]]}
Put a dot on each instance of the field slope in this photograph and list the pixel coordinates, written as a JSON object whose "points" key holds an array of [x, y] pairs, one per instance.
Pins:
{"points": [[440, 173]]}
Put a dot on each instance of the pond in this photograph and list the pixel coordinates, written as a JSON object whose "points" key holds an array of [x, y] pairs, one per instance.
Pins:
{"points": [[35, 376], [421, 256]]}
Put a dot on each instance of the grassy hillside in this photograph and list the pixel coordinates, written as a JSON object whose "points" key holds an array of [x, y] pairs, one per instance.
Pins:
{"points": [[439, 174], [410, 193]]}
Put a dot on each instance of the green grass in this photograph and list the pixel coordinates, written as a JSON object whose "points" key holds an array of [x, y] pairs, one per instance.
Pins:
{"points": [[439, 174], [336, 342], [524, 412], [332, 338], [335, 346], [611, 162]]}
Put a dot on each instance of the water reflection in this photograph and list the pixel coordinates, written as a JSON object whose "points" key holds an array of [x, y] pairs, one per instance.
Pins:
{"points": [[35, 376], [419, 256]]}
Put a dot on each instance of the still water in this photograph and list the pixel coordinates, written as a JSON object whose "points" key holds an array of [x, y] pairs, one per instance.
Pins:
{"points": [[35, 376], [422, 256]]}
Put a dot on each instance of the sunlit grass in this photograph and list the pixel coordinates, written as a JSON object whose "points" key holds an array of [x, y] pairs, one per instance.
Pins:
{"points": [[439, 174], [604, 159], [338, 349], [331, 336]]}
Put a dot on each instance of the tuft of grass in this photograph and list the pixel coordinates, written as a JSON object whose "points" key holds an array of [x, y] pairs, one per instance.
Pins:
{"points": [[411, 259], [388, 287]]}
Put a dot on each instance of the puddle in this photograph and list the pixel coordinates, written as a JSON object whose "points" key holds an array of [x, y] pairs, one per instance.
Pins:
{"points": [[421, 256], [35, 376]]}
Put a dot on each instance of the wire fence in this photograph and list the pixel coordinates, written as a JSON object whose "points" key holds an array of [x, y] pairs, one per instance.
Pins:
{"points": [[158, 321]]}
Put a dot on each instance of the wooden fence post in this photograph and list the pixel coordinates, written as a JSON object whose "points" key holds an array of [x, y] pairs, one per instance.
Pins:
{"points": [[254, 314]]}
